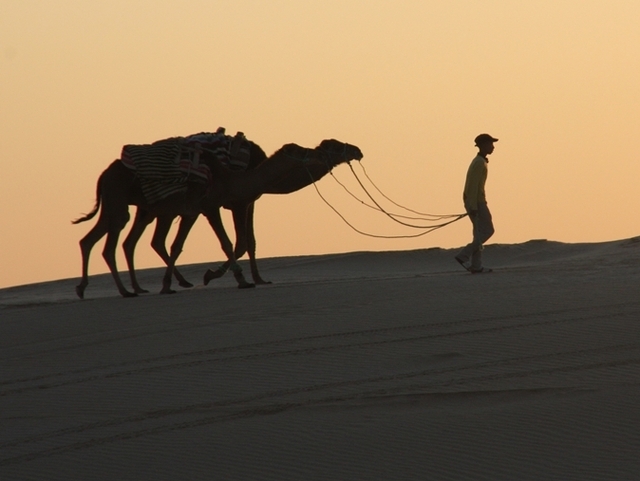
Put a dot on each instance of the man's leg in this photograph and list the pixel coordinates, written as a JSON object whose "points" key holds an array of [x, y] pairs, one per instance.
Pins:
{"points": [[482, 231], [470, 249]]}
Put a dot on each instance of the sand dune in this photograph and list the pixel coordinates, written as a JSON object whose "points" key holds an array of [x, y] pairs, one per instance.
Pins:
{"points": [[372, 366]]}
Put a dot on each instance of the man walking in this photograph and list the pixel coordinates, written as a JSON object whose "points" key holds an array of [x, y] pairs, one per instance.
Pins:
{"points": [[475, 203]]}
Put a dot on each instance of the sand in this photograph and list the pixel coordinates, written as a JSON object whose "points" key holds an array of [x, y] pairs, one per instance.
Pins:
{"points": [[359, 366]]}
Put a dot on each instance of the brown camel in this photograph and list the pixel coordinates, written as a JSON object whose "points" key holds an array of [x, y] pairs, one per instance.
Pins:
{"points": [[118, 187], [335, 152]]}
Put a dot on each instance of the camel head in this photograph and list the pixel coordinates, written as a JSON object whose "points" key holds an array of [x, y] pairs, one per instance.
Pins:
{"points": [[338, 152]]}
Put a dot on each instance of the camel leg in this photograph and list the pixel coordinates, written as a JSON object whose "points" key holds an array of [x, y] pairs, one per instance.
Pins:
{"points": [[86, 244], [142, 219], [219, 272], [239, 223], [109, 253], [216, 224], [158, 243], [245, 241], [251, 246], [186, 223]]}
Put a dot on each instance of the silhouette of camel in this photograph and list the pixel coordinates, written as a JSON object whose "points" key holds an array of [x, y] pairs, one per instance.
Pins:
{"points": [[118, 187], [242, 212], [337, 152], [144, 217]]}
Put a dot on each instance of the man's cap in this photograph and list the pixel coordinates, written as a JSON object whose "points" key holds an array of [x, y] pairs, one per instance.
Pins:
{"points": [[484, 138]]}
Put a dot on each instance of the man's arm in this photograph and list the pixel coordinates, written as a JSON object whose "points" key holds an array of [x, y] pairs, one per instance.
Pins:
{"points": [[472, 187]]}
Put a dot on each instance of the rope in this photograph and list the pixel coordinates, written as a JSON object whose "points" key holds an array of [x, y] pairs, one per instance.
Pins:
{"points": [[427, 229], [373, 207], [434, 217], [438, 216]]}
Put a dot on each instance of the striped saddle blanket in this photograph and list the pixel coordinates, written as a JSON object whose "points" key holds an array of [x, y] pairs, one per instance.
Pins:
{"points": [[165, 167]]}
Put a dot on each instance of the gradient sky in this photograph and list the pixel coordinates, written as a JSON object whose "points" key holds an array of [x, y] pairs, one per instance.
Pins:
{"points": [[410, 82]]}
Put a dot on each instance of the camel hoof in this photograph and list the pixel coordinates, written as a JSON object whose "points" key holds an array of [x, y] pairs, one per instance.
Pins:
{"points": [[127, 294], [140, 290], [167, 291], [186, 284], [80, 291], [262, 282], [210, 275], [246, 285]]}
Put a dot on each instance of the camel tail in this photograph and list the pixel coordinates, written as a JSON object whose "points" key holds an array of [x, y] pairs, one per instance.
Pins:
{"points": [[96, 208]]}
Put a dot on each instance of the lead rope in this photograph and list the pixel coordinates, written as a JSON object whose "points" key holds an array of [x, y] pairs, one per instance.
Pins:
{"points": [[427, 229], [435, 216], [378, 236], [392, 217]]}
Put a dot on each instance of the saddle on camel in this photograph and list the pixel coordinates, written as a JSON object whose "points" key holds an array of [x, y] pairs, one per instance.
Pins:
{"points": [[166, 166]]}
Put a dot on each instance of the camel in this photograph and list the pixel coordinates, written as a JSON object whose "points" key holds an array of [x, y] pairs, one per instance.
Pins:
{"points": [[164, 221], [118, 187], [242, 213], [294, 181]]}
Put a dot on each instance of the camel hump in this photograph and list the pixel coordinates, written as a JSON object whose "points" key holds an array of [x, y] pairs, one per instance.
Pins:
{"points": [[293, 150]]}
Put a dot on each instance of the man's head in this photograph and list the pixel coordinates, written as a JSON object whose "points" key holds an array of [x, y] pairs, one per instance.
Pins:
{"points": [[484, 142]]}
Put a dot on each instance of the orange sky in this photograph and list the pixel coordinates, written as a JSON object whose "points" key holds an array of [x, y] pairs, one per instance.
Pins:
{"points": [[411, 83]]}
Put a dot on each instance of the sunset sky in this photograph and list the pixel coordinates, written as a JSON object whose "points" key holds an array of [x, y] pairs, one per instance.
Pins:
{"points": [[409, 82]]}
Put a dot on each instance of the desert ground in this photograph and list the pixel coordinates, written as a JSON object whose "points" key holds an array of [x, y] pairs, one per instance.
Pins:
{"points": [[356, 366]]}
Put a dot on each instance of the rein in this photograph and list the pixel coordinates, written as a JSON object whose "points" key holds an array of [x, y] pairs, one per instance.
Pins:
{"points": [[434, 217], [443, 220]]}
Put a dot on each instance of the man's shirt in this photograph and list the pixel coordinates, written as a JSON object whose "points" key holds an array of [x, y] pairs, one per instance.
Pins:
{"points": [[474, 186]]}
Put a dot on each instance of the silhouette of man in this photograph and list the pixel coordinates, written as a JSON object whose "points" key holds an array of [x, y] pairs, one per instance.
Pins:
{"points": [[475, 203]]}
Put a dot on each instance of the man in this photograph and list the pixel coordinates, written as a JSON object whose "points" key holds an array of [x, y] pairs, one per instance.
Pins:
{"points": [[475, 203]]}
